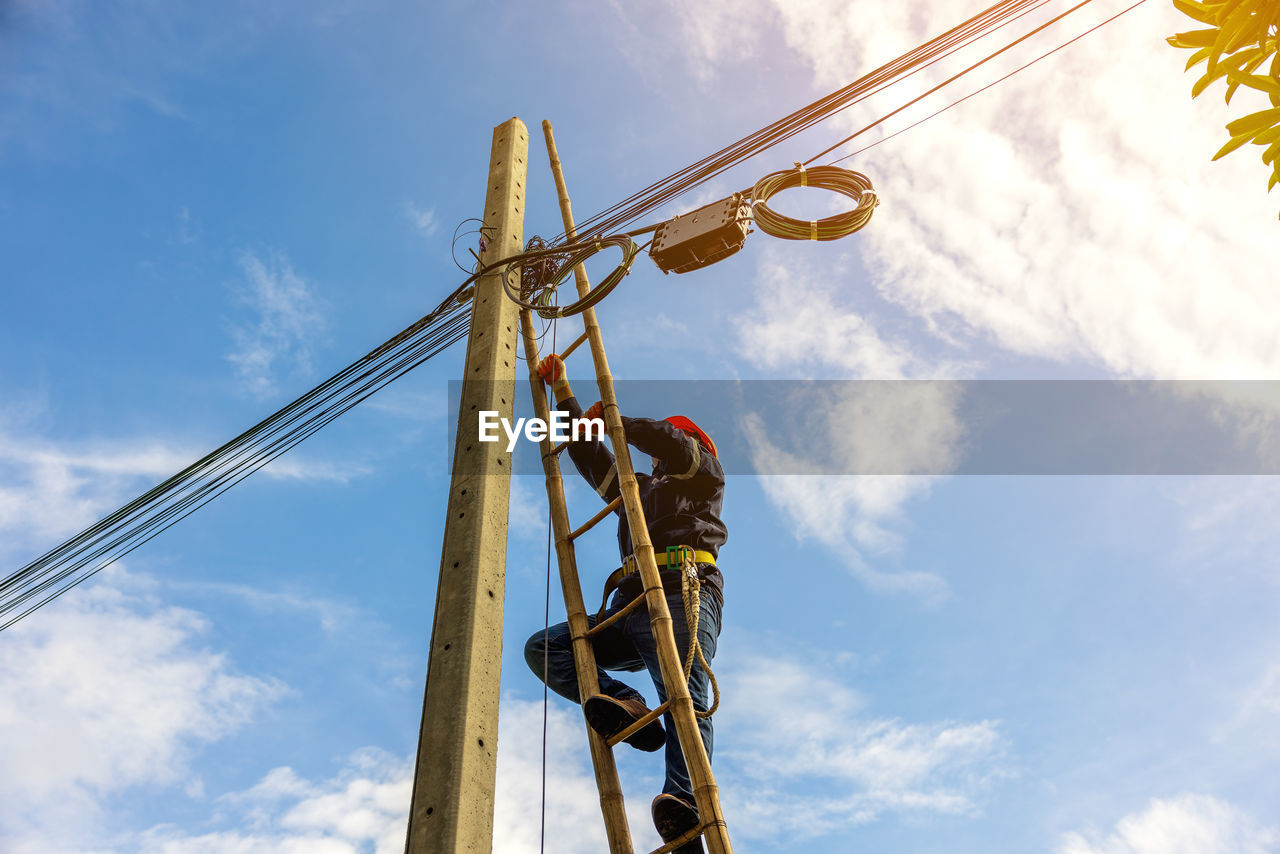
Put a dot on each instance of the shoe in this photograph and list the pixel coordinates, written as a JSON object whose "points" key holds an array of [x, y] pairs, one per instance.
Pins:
{"points": [[609, 716], [674, 817]]}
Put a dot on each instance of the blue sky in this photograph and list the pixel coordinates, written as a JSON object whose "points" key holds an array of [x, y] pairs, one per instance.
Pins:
{"points": [[206, 210]]}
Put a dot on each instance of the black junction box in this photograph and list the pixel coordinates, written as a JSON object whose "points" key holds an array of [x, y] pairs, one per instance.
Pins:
{"points": [[701, 237]]}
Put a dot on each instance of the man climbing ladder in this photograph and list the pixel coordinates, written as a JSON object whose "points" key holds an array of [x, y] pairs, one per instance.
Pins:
{"points": [[682, 501]]}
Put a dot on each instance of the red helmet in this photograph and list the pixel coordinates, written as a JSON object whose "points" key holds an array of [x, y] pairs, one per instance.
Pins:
{"points": [[682, 423]]}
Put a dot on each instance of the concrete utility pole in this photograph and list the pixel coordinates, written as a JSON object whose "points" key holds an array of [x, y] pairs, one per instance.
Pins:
{"points": [[452, 805]]}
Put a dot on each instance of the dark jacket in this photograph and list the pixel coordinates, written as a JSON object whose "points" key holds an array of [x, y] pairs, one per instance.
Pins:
{"points": [[682, 498]]}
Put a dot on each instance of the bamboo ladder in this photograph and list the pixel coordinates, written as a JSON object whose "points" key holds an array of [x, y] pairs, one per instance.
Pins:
{"points": [[711, 818]]}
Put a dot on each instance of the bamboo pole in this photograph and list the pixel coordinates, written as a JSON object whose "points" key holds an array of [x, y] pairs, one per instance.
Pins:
{"points": [[595, 520], [705, 791], [611, 802]]}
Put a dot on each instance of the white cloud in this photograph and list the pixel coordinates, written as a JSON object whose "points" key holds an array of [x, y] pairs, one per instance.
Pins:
{"points": [[364, 807], [1186, 824], [332, 616], [1228, 525], [106, 691], [188, 230], [809, 760], [528, 507], [400, 401], [1069, 213], [799, 323], [574, 823], [361, 809], [72, 731], [294, 467], [423, 220], [51, 489], [1260, 707], [287, 319], [895, 428], [852, 515], [109, 690]]}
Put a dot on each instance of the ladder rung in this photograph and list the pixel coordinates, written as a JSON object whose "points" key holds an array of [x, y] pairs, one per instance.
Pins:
{"points": [[577, 342], [689, 836], [591, 523], [640, 724], [613, 618]]}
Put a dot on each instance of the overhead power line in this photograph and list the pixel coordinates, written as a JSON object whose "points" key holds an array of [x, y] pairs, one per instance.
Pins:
{"points": [[619, 215], [119, 533], [1055, 19], [961, 100], [135, 523], [114, 536]]}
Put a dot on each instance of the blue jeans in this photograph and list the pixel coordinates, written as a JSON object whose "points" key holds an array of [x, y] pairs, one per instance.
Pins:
{"points": [[628, 645]]}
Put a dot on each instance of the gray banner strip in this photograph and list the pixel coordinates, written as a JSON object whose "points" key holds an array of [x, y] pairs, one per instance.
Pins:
{"points": [[947, 427]]}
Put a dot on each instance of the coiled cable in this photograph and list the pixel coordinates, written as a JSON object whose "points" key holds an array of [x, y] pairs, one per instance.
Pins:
{"points": [[846, 182], [537, 296]]}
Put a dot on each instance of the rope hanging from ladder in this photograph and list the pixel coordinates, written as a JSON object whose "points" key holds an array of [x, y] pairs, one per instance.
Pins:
{"points": [[691, 594]]}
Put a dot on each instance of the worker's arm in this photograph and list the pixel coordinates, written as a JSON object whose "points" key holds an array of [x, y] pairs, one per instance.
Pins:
{"points": [[593, 460], [679, 452]]}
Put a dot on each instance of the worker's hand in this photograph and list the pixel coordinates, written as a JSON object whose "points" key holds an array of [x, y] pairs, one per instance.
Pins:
{"points": [[552, 371], [596, 410]]}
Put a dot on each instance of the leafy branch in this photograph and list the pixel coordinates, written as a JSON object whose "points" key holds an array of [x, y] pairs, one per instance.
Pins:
{"points": [[1240, 37]]}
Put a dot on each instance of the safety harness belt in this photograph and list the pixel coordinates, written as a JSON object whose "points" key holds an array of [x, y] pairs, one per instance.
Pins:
{"points": [[673, 556]]}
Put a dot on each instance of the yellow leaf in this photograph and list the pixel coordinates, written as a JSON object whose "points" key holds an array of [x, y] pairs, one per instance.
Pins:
{"points": [[1254, 122], [1202, 13], [1256, 81], [1250, 31], [1239, 28], [1194, 38], [1199, 56], [1231, 65], [1252, 55], [1225, 9], [1267, 136], [1236, 142]]}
